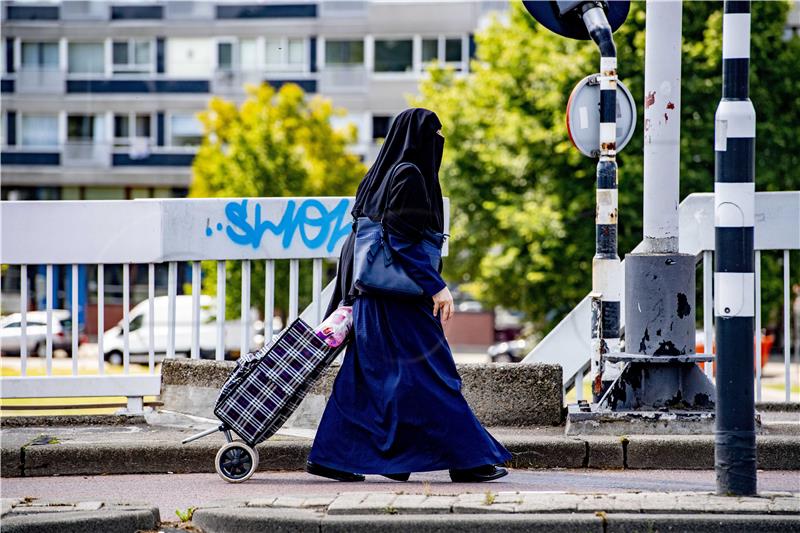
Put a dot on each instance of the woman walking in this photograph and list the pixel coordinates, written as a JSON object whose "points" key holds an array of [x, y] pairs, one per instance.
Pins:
{"points": [[396, 405]]}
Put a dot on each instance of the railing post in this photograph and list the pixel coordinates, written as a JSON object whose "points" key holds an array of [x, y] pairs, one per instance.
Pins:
{"points": [[135, 405]]}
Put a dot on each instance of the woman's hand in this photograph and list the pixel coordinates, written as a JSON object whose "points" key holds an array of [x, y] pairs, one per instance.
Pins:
{"points": [[443, 305]]}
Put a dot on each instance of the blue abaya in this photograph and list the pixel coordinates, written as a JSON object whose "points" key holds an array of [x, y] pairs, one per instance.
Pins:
{"points": [[396, 404]]}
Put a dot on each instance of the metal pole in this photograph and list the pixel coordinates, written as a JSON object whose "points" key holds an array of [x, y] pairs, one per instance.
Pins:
{"points": [[734, 206], [662, 125], [606, 271]]}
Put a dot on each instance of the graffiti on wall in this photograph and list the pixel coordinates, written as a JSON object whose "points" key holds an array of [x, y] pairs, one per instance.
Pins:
{"points": [[309, 219]]}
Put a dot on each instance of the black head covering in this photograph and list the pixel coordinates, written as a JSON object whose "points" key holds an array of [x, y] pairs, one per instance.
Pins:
{"points": [[411, 139]]}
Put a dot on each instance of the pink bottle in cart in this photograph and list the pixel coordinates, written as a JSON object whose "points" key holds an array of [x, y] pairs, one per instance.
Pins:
{"points": [[335, 328]]}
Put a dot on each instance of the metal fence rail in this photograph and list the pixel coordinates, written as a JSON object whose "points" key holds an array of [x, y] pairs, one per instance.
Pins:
{"points": [[777, 230], [115, 242], [275, 232]]}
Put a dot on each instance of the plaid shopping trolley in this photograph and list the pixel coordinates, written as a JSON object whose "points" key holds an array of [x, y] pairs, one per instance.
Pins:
{"points": [[262, 392]]}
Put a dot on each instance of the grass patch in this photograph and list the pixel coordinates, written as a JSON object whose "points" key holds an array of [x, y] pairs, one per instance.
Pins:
{"points": [[185, 516]]}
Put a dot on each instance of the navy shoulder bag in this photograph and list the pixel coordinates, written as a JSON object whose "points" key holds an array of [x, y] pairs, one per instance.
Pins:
{"points": [[375, 270]]}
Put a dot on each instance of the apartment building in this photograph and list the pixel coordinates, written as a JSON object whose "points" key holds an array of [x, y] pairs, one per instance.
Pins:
{"points": [[99, 98]]}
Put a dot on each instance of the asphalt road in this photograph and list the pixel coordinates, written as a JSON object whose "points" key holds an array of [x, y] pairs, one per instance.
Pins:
{"points": [[180, 491]]}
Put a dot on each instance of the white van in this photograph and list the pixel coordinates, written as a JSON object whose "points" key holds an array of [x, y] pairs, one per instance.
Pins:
{"points": [[139, 334]]}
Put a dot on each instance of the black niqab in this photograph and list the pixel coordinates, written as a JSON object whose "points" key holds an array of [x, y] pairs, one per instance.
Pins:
{"points": [[412, 138]]}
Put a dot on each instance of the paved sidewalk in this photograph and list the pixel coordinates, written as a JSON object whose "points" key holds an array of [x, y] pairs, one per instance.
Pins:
{"points": [[506, 511], [401, 512], [138, 447]]}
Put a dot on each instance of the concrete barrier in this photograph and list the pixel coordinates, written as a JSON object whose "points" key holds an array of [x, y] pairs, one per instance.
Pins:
{"points": [[499, 394]]}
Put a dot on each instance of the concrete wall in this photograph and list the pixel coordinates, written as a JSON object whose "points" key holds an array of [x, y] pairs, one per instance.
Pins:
{"points": [[499, 394]]}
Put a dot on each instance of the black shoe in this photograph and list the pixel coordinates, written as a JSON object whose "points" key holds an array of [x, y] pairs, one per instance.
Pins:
{"points": [[481, 473], [330, 473], [398, 477]]}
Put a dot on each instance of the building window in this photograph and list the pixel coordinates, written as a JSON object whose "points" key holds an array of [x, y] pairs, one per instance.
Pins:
{"points": [[447, 51], [81, 128], [185, 130], [225, 57], [430, 50], [282, 55], [380, 126], [39, 56], [132, 56], [452, 50], [392, 55], [344, 52], [39, 130], [86, 58], [131, 129]]}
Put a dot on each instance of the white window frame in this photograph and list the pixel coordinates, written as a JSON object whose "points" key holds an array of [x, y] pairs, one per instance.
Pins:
{"points": [[322, 61], [460, 66], [416, 53], [107, 59], [272, 69], [168, 131], [34, 147], [18, 52], [130, 69], [116, 141]]}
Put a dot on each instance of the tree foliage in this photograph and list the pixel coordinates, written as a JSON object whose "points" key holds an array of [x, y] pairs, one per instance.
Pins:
{"points": [[522, 197], [275, 143]]}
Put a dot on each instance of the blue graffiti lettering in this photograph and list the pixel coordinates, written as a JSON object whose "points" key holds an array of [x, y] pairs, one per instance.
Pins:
{"points": [[311, 215]]}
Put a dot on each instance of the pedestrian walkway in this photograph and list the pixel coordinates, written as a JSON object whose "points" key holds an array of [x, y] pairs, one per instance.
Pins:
{"points": [[400, 511]]}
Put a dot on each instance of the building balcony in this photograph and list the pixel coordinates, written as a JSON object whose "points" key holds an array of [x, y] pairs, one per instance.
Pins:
{"points": [[140, 153], [86, 154], [40, 81], [85, 10], [185, 10], [342, 79], [344, 9], [234, 81]]}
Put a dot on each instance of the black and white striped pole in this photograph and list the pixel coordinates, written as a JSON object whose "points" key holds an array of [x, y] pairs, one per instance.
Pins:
{"points": [[606, 266], [734, 290], [597, 20]]}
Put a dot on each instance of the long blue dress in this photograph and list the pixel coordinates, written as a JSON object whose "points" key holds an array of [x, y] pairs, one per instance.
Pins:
{"points": [[396, 404]]}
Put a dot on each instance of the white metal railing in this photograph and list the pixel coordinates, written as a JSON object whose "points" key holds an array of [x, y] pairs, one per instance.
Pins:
{"points": [[777, 231], [274, 231]]}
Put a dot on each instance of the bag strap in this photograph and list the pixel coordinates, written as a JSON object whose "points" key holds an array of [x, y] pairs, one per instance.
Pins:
{"points": [[392, 174]]}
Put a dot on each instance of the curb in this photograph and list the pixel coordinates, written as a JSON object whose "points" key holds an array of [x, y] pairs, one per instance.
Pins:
{"points": [[26, 516], [7, 422], [506, 511], [257, 521], [290, 454]]}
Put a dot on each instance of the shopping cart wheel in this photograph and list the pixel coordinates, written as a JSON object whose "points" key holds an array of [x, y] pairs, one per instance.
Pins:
{"points": [[236, 462]]}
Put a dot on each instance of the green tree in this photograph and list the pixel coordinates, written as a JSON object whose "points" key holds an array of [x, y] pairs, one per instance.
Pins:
{"points": [[523, 198], [276, 143]]}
